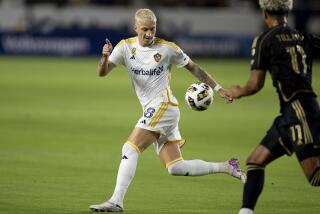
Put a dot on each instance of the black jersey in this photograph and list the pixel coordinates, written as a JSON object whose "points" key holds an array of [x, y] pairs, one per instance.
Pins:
{"points": [[287, 55]]}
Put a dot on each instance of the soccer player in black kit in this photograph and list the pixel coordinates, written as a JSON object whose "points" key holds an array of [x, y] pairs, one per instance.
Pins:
{"points": [[287, 55]]}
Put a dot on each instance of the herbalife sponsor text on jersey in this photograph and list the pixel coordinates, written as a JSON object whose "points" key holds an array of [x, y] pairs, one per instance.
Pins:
{"points": [[149, 72]]}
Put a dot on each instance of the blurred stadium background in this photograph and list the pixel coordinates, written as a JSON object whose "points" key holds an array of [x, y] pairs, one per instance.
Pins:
{"points": [[76, 27], [62, 127]]}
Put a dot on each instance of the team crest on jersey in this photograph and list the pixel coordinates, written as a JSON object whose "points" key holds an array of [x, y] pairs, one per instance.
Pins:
{"points": [[133, 52], [157, 57]]}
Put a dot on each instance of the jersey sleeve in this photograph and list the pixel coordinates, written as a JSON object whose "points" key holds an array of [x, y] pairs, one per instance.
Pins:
{"points": [[179, 58], [258, 55], [117, 55]]}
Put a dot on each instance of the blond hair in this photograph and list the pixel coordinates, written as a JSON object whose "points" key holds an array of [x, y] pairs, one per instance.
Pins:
{"points": [[145, 14], [276, 6]]}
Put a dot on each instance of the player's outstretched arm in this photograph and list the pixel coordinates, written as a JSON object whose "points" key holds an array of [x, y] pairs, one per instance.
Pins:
{"points": [[205, 77], [253, 85], [105, 66]]}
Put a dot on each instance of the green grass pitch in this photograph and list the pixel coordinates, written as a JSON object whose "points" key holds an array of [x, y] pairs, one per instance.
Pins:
{"points": [[62, 129]]}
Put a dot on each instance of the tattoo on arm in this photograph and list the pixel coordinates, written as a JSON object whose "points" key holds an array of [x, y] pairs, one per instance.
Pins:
{"points": [[203, 76]]}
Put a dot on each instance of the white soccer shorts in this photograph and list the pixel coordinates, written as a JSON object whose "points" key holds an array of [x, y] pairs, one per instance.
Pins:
{"points": [[162, 117]]}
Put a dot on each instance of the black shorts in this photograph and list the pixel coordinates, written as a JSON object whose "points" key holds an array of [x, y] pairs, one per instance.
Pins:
{"points": [[296, 130]]}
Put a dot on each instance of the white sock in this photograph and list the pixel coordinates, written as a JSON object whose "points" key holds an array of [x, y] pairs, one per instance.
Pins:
{"points": [[126, 173], [245, 211], [196, 168]]}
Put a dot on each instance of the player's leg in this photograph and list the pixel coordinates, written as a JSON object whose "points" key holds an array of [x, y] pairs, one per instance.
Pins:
{"points": [[309, 158], [308, 140], [271, 148], [170, 155], [308, 149], [256, 163], [137, 142], [142, 138], [311, 168]]}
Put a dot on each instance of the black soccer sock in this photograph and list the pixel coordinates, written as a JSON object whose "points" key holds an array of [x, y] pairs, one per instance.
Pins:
{"points": [[253, 186]]}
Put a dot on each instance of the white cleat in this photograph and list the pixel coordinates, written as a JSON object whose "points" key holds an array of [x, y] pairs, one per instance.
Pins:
{"points": [[107, 206], [235, 170]]}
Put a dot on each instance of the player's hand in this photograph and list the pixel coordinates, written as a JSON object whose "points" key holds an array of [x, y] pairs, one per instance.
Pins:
{"points": [[234, 92], [107, 48], [224, 94]]}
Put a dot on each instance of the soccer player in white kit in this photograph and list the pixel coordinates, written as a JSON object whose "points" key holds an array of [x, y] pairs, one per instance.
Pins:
{"points": [[148, 61]]}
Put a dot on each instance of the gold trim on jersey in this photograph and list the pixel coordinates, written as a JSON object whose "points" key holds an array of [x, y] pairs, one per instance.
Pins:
{"points": [[164, 42], [285, 148], [131, 40], [174, 141], [169, 100], [288, 99], [181, 142], [174, 161], [121, 43], [160, 112], [254, 43], [302, 117], [134, 146], [128, 41]]}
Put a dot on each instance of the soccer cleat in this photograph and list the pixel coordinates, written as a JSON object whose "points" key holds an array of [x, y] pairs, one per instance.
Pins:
{"points": [[107, 206], [235, 170]]}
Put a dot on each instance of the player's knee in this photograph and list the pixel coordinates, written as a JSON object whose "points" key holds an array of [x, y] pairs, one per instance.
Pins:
{"points": [[260, 156], [314, 179], [130, 149], [253, 159], [178, 168]]}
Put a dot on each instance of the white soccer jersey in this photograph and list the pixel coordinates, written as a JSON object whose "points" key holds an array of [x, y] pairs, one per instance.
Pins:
{"points": [[149, 67]]}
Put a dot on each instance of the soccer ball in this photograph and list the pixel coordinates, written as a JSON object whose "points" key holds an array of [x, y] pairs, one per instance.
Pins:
{"points": [[199, 96]]}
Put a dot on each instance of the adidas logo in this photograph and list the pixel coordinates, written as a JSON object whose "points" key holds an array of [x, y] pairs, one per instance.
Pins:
{"points": [[143, 121], [132, 57], [124, 157]]}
